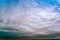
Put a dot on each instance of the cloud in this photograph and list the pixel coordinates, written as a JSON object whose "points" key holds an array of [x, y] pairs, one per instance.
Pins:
{"points": [[28, 17]]}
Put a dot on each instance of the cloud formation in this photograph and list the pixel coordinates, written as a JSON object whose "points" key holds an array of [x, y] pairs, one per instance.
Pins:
{"points": [[30, 16]]}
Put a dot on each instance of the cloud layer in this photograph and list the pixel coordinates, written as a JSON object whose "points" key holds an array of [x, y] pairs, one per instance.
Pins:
{"points": [[31, 16]]}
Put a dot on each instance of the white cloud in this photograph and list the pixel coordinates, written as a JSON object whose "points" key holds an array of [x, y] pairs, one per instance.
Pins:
{"points": [[33, 20]]}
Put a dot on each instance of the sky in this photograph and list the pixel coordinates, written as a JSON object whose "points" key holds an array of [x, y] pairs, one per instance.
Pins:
{"points": [[37, 17]]}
